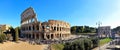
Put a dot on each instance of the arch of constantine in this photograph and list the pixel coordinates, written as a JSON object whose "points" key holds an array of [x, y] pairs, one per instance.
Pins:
{"points": [[31, 28], [104, 31]]}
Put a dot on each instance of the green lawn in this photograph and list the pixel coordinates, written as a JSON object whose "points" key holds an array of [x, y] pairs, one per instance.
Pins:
{"points": [[104, 41], [85, 33], [57, 46]]}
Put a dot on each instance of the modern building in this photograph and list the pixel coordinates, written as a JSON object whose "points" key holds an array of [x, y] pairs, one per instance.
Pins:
{"points": [[32, 29]]}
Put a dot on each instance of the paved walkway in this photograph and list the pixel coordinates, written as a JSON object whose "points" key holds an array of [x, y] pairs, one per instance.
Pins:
{"points": [[103, 47]]}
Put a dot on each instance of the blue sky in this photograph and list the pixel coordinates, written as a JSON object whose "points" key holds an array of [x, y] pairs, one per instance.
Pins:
{"points": [[76, 12]]}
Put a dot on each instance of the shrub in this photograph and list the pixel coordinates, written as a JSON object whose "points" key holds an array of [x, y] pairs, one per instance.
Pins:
{"points": [[2, 37], [16, 34], [95, 42], [81, 44]]}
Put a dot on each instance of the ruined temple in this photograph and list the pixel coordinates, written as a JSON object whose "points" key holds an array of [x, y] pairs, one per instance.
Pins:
{"points": [[31, 28]]}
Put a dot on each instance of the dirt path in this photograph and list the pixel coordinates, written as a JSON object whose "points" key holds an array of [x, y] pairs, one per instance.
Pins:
{"points": [[21, 46]]}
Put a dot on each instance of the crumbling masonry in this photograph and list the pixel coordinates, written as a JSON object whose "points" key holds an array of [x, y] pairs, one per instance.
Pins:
{"points": [[51, 30]]}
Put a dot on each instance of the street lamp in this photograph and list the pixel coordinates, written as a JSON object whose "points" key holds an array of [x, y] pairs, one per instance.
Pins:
{"points": [[98, 34]]}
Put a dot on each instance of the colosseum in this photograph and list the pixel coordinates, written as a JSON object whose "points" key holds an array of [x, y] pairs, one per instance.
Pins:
{"points": [[32, 29]]}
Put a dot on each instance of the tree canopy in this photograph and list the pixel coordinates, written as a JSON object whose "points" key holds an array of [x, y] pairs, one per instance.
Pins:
{"points": [[81, 44], [82, 29]]}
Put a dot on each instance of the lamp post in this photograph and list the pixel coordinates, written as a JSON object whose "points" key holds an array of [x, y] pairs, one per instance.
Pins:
{"points": [[98, 34]]}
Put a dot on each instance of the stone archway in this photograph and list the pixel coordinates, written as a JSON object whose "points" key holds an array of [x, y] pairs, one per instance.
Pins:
{"points": [[60, 35], [29, 36], [52, 36], [37, 36], [33, 36], [48, 36], [57, 35]]}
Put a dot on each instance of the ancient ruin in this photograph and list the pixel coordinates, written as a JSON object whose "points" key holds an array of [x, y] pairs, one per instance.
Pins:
{"points": [[4, 28], [32, 29], [104, 31]]}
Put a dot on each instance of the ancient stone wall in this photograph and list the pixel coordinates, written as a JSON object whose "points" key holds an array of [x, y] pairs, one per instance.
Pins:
{"points": [[29, 25], [32, 29], [56, 29]]}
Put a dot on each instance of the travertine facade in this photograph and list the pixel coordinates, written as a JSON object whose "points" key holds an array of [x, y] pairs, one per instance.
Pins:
{"points": [[104, 31], [33, 29], [55, 29]]}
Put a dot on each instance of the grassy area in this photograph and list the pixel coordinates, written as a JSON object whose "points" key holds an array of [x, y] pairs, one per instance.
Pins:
{"points": [[104, 41], [57, 46], [85, 33]]}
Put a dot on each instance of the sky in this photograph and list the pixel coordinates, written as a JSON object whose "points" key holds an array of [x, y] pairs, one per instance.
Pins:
{"points": [[75, 12]]}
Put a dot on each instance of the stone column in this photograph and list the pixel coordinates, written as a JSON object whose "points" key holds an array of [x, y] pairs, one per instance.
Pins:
{"points": [[31, 28], [58, 35], [49, 27], [53, 36], [31, 36], [44, 35], [50, 36], [35, 27], [56, 28], [63, 35], [35, 35], [27, 28], [39, 36], [39, 27], [59, 29], [31, 31], [27, 36]]}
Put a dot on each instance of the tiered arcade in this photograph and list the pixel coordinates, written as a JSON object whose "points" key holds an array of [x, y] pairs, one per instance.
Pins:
{"points": [[34, 30]]}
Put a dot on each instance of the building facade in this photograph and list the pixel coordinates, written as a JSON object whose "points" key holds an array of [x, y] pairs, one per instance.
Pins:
{"points": [[104, 31], [31, 28]]}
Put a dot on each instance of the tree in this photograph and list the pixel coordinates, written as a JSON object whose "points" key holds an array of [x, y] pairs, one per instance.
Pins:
{"points": [[87, 29], [12, 31], [87, 44], [93, 30], [94, 41], [116, 30], [2, 37], [16, 33], [73, 29], [82, 29], [80, 44]]}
